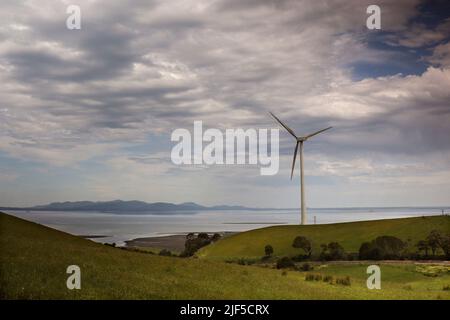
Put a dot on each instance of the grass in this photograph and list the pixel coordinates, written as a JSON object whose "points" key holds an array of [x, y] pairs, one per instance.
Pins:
{"points": [[34, 258], [350, 235]]}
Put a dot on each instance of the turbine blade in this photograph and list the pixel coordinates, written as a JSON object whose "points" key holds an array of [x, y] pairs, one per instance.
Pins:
{"points": [[293, 161], [317, 132], [283, 125]]}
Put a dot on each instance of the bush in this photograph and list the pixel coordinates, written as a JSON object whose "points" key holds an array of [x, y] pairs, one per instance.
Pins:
{"points": [[390, 247], [215, 237], [190, 236], [423, 245], [165, 252], [369, 251], [303, 243], [383, 247], [285, 262], [343, 281], [110, 244], [203, 235], [445, 245], [306, 267], [352, 256], [332, 251], [193, 244], [265, 258], [309, 277], [300, 258], [268, 250]]}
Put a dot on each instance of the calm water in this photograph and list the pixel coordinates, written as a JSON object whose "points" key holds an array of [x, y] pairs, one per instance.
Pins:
{"points": [[119, 228]]}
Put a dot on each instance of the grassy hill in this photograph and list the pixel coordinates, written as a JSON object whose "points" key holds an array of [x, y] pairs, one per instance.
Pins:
{"points": [[350, 235], [34, 258]]}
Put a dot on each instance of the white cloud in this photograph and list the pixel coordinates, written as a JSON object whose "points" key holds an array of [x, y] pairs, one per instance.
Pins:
{"points": [[142, 68]]}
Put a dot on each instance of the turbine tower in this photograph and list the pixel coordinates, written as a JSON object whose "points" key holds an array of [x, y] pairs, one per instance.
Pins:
{"points": [[299, 141]]}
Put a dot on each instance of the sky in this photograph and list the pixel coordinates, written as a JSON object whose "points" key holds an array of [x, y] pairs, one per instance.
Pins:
{"points": [[88, 114]]}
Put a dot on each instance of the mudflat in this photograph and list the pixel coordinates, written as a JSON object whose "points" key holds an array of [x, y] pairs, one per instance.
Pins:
{"points": [[171, 242]]}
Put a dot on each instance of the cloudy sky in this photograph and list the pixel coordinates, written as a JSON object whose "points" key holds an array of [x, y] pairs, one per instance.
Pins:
{"points": [[87, 114]]}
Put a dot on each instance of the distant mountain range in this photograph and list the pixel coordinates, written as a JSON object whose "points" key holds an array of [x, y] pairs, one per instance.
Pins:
{"points": [[120, 206]]}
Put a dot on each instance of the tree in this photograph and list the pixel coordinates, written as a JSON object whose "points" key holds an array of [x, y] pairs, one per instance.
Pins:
{"points": [[203, 235], [285, 262], [190, 236], [215, 237], [303, 243], [383, 247], [390, 247], [434, 240], [423, 245], [193, 244], [445, 245], [332, 251], [165, 252], [336, 251], [268, 250], [364, 251]]}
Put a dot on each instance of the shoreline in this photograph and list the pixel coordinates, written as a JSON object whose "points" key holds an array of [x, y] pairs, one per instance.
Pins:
{"points": [[173, 242]]}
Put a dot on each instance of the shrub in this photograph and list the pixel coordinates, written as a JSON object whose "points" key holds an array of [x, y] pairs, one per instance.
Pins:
{"points": [[306, 267], [390, 247], [303, 243], [193, 244], [110, 244], [300, 258], [246, 262], [344, 281], [190, 236], [309, 277], [423, 245], [318, 277], [332, 251], [265, 258], [285, 262], [268, 250], [445, 245], [203, 235], [369, 251], [215, 237], [383, 247], [165, 252], [352, 256]]}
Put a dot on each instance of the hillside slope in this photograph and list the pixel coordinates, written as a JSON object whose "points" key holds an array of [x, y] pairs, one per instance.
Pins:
{"points": [[350, 235], [34, 258]]}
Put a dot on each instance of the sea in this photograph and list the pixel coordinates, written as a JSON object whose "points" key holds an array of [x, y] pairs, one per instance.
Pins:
{"points": [[117, 228]]}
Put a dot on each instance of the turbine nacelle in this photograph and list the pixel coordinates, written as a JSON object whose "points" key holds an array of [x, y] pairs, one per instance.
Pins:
{"points": [[299, 139]]}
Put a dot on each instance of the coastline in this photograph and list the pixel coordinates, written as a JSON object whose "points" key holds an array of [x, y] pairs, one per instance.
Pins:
{"points": [[173, 242]]}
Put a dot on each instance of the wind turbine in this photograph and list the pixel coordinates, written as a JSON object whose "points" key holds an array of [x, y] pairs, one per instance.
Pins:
{"points": [[300, 141]]}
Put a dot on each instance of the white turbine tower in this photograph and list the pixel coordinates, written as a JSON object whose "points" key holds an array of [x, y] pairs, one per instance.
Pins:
{"points": [[300, 141]]}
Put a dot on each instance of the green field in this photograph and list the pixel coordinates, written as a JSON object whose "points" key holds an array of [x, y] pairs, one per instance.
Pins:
{"points": [[350, 235], [34, 258]]}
